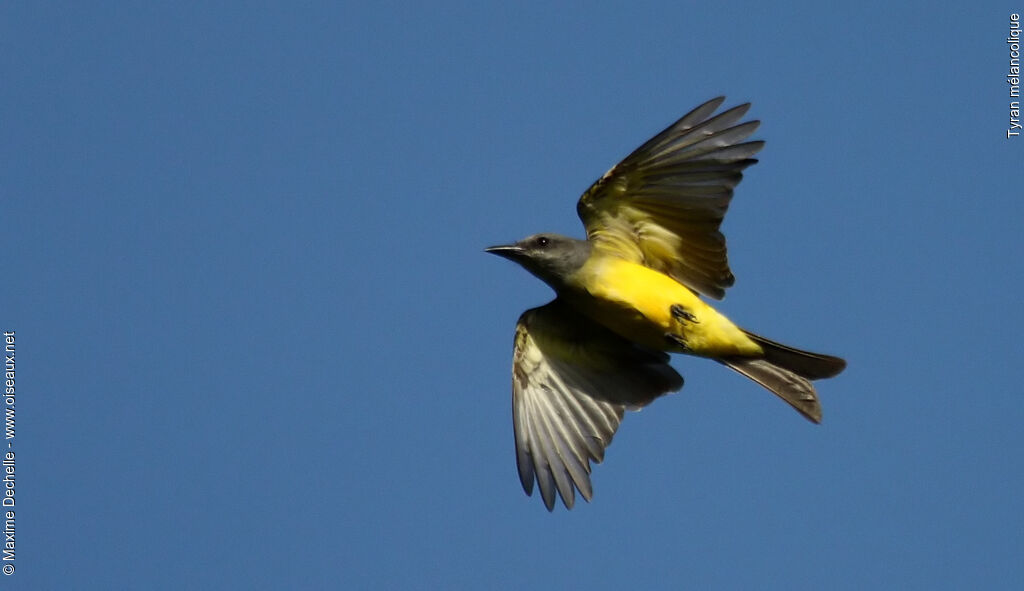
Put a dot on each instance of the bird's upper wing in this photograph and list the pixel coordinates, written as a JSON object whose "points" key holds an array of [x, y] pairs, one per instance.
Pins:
{"points": [[663, 204], [571, 381]]}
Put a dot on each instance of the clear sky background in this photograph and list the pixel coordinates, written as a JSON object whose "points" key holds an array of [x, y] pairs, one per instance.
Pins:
{"points": [[259, 344]]}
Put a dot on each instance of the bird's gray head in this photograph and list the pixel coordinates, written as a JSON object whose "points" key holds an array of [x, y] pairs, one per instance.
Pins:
{"points": [[551, 257]]}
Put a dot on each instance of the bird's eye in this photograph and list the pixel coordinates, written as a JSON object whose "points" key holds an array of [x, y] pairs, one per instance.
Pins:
{"points": [[542, 241]]}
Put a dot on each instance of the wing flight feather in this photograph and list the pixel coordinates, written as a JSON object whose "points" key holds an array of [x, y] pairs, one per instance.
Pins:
{"points": [[662, 206], [572, 381]]}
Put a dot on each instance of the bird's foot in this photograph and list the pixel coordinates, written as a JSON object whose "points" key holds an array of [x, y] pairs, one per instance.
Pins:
{"points": [[678, 341], [682, 314]]}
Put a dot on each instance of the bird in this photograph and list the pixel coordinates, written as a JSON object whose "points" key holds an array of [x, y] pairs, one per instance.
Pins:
{"points": [[632, 292]]}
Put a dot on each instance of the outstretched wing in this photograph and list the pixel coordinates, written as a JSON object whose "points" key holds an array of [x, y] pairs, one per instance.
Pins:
{"points": [[571, 381], [663, 204]]}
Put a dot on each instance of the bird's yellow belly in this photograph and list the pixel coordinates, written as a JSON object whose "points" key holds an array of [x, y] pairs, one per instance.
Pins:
{"points": [[652, 309]]}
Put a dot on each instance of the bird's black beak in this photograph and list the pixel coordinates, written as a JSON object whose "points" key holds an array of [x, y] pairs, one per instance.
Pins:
{"points": [[511, 252]]}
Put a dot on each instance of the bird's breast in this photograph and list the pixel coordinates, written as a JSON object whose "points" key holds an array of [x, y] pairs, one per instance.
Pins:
{"points": [[654, 310]]}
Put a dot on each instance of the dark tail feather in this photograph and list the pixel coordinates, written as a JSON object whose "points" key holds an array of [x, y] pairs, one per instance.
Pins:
{"points": [[788, 372], [813, 366], [795, 390]]}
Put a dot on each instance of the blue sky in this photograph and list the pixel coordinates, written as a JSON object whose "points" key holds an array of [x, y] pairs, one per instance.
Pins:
{"points": [[260, 346]]}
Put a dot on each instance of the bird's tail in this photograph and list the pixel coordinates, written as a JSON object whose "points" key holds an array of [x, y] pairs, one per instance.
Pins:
{"points": [[788, 372]]}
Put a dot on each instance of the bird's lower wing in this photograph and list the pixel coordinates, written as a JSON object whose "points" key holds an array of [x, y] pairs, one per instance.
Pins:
{"points": [[571, 381]]}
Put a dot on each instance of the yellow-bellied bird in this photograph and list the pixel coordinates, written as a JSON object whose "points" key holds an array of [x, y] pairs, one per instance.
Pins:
{"points": [[629, 294]]}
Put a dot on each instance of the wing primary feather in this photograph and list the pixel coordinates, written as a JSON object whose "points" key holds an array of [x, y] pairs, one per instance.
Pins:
{"points": [[558, 456], [590, 433], [699, 114], [681, 127], [524, 459], [571, 427], [738, 152], [541, 461], [686, 138]]}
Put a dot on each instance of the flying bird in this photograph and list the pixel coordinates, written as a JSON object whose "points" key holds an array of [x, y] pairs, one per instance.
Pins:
{"points": [[629, 294]]}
